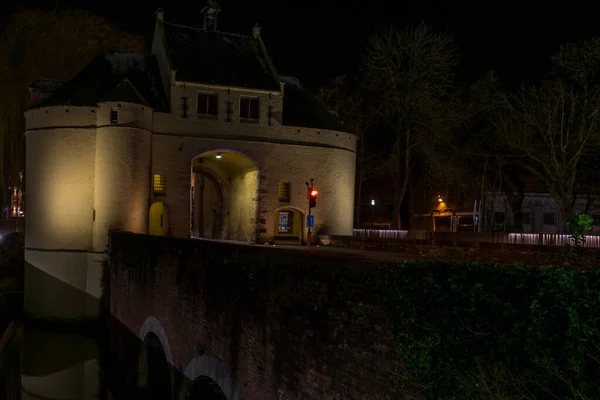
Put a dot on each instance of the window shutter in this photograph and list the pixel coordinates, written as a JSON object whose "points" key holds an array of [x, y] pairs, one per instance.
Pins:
{"points": [[244, 108], [202, 104], [213, 104], [254, 109]]}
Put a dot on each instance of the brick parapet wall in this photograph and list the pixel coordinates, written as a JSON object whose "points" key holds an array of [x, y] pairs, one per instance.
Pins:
{"points": [[286, 325], [483, 252]]}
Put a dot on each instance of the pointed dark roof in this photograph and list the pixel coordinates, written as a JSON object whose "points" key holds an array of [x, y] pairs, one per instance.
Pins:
{"points": [[114, 76], [47, 84], [125, 91], [219, 58], [302, 108]]}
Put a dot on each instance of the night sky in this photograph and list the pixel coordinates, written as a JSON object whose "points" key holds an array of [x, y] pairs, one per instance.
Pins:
{"points": [[317, 40]]}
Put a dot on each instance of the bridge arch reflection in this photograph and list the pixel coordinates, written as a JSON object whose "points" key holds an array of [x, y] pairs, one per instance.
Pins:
{"points": [[155, 373], [204, 388], [205, 374]]}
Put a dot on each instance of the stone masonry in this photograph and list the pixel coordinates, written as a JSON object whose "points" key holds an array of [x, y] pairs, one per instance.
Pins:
{"points": [[267, 323]]}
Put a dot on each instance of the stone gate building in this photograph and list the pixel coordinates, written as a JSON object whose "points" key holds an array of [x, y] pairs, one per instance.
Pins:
{"points": [[202, 137]]}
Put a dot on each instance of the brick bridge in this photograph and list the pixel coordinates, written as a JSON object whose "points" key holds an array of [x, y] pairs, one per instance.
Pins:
{"points": [[212, 320]]}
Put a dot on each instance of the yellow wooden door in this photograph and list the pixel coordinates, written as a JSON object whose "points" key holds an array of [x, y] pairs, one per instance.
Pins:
{"points": [[159, 219]]}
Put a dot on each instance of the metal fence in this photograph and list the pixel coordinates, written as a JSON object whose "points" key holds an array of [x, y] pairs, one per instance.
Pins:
{"points": [[543, 239]]}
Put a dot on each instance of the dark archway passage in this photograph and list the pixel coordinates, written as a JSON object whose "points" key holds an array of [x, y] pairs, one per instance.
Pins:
{"points": [[155, 371], [224, 196], [204, 388], [207, 204]]}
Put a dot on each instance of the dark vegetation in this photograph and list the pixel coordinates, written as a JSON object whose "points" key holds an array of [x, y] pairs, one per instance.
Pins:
{"points": [[476, 331], [12, 260]]}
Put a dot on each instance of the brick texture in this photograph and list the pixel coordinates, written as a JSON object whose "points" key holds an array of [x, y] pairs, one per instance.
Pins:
{"points": [[285, 325]]}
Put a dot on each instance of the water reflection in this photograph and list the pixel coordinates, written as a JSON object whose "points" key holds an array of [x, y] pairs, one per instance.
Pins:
{"points": [[44, 364], [52, 362], [100, 360], [59, 365]]}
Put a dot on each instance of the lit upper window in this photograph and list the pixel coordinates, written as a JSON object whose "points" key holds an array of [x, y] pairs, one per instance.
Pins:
{"points": [[159, 183], [208, 104], [249, 109]]}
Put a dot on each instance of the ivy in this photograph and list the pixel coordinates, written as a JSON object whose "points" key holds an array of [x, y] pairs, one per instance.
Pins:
{"points": [[474, 331], [579, 225]]}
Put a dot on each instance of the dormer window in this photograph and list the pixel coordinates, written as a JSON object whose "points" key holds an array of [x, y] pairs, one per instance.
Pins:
{"points": [[249, 109], [208, 104], [114, 115]]}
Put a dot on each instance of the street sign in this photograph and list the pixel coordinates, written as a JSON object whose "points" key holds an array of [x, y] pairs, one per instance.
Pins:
{"points": [[310, 221]]}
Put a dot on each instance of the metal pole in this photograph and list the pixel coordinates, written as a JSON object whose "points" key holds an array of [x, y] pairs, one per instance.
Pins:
{"points": [[309, 236], [309, 189]]}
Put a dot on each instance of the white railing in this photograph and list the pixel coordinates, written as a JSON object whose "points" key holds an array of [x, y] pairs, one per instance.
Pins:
{"points": [[381, 233], [545, 239]]}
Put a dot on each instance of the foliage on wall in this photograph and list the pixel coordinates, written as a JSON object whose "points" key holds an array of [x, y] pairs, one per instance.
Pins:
{"points": [[579, 226]]}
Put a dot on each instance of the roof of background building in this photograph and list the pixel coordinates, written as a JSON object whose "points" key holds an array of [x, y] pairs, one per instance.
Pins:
{"points": [[302, 108], [114, 76], [219, 58], [519, 180]]}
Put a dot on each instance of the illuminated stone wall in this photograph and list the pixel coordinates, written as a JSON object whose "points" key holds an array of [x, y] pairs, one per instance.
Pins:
{"points": [[122, 180], [242, 206], [60, 179], [86, 175], [282, 153]]}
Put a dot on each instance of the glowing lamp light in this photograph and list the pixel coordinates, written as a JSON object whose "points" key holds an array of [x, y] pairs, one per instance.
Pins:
{"points": [[440, 200], [314, 193], [372, 202], [219, 156]]}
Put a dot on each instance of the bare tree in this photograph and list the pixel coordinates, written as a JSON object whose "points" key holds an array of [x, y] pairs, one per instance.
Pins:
{"points": [[344, 97], [53, 45], [476, 146], [411, 72], [551, 128]]}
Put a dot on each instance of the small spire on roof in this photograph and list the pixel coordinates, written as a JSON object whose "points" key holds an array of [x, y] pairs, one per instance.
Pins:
{"points": [[256, 30], [210, 12]]}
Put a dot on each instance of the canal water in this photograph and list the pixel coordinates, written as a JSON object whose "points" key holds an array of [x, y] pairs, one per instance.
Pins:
{"points": [[59, 365], [47, 361], [56, 361], [52, 362], [97, 360]]}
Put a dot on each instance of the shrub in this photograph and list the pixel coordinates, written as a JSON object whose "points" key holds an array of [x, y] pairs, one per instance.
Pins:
{"points": [[579, 226], [472, 331]]}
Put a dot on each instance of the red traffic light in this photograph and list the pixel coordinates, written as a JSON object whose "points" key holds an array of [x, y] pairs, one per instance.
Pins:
{"points": [[314, 193]]}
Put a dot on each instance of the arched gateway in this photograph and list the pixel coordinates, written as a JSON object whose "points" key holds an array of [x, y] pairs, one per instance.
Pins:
{"points": [[224, 196]]}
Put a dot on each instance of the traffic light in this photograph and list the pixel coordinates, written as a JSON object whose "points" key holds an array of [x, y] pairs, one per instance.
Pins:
{"points": [[312, 198]]}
